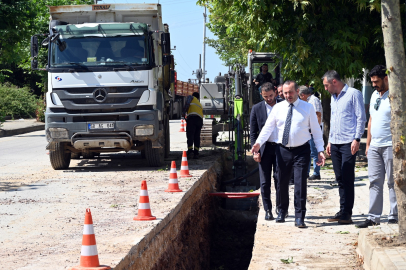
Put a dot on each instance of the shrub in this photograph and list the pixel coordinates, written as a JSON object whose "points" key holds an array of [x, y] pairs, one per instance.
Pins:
{"points": [[16, 101], [40, 110]]}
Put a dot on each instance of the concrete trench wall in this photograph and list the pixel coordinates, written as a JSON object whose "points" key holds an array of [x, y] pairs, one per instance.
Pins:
{"points": [[181, 240]]}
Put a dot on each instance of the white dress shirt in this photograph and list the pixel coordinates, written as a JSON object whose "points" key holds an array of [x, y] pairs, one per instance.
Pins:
{"points": [[274, 136], [303, 118]]}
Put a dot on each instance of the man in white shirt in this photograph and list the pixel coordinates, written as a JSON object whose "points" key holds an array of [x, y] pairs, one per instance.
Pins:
{"points": [[266, 156], [292, 119], [379, 150]]}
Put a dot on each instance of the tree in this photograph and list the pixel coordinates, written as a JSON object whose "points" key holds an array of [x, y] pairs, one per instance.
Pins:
{"points": [[396, 65], [311, 36]]}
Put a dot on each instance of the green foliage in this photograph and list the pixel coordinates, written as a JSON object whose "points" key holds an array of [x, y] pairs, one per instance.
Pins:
{"points": [[311, 36], [17, 101], [40, 110], [287, 261]]}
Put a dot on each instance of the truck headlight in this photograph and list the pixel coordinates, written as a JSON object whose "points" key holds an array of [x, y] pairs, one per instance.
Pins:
{"points": [[144, 130], [58, 133]]}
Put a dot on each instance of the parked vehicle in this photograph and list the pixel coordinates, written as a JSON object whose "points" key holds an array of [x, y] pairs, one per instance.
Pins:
{"points": [[108, 81]]}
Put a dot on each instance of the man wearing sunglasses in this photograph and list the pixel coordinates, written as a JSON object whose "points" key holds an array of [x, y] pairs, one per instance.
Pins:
{"points": [[379, 150]]}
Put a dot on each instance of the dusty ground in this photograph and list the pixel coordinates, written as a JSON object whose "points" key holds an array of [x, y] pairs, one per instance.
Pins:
{"points": [[42, 210], [323, 245]]}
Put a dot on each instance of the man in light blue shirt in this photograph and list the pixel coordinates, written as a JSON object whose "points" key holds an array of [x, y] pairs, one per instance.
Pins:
{"points": [[379, 150], [347, 124]]}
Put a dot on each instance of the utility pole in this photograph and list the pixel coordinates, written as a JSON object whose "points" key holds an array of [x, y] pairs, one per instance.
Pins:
{"points": [[204, 46]]}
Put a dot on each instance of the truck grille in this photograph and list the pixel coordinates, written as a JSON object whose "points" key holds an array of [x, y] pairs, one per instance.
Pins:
{"points": [[100, 99]]}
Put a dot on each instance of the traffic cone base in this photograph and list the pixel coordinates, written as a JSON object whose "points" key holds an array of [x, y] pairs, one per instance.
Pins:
{"points": [[101, 267], [89, 258], [173, 180], [144, 209], [184, 167]]}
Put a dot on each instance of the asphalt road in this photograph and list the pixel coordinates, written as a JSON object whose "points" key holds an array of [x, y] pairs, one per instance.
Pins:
{"points": [[23, 153]]}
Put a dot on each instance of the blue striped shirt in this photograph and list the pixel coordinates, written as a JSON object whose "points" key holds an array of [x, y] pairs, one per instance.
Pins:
{"points": [[347, 116]]}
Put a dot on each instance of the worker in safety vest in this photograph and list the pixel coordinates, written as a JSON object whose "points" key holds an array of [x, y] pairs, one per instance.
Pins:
{"points": [[194, 121]]}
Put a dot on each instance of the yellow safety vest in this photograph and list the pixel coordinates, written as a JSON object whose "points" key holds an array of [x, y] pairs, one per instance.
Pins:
{"points": [[195, 108]]}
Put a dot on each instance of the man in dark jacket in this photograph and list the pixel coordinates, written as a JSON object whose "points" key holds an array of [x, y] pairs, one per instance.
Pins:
{"points": [[266, 156]]}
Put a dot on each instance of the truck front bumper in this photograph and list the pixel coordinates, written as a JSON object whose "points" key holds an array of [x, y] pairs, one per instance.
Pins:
{"points": [[133, 127]]}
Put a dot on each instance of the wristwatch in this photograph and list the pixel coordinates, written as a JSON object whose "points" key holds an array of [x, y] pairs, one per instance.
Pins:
{"points": [[357, 139]]}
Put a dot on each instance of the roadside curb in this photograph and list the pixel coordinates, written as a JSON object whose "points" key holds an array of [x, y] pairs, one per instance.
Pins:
{"points": [[17, 131], [375, 257]]}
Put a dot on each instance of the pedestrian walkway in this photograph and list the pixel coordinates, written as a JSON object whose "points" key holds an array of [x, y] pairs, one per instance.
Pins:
{"points": [[20, 126], [323, 245]]}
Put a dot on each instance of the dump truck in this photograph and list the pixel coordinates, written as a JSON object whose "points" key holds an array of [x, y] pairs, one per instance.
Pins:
{"points": [[109, 80]]}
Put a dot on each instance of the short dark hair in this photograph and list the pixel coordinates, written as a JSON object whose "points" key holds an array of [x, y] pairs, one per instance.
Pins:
{"points": [[267, 87], [281, 85], [289, 82], [196, 95], [378, 70], [330, 75]]}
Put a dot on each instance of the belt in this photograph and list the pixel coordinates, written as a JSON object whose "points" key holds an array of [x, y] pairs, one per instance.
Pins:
{"points": [[293, 147], [272, 143]]}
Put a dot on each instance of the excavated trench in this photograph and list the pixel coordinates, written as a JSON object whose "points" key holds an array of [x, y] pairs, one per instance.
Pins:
{"points": [[202, 232]]}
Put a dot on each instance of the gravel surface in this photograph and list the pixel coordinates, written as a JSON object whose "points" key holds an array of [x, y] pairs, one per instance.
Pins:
{"points": [[42, 210]]}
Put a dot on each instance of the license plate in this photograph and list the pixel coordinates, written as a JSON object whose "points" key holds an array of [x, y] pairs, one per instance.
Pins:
{"points": [[101, 126]]}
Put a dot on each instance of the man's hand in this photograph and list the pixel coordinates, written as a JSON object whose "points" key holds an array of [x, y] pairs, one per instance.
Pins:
{"points": [[366, 150], [328, 149], [257, 157], [354, 147], [255, 148], [256, 83], [321, 159]]}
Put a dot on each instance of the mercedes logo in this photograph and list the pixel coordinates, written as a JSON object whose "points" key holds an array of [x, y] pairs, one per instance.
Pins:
{"points": [[100, 94]]}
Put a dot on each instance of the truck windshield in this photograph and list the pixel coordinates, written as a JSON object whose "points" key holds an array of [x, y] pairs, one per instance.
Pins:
{"points": [[96, 51]]}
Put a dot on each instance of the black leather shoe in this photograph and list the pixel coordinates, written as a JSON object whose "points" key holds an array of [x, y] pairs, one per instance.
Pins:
{"points": [[268, 215], [277, 212], [336, 217], [366, 224], [392, 221], [345, 219], [299, 222], [281, 217], [314, 177]]}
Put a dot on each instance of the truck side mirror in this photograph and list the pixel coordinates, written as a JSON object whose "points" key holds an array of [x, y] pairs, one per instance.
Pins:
{"points": [[166, 60], [34, 46], [172, 76], [166, 43], [34, 64]]}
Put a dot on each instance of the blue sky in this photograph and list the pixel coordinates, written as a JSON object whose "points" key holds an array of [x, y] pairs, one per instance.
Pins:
{"points": [[185, 20]]}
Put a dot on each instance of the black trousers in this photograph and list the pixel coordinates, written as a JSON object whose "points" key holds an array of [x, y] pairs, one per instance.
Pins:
{"points": [[193, 130], [344, 169], [294, 160], [268, 162]]}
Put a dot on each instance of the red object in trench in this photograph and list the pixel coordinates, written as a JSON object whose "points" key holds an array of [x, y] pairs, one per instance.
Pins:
{"points": [[234, 195]]}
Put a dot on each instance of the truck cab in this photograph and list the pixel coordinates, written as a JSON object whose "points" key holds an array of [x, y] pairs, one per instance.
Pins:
{"points": [[107, 85]]}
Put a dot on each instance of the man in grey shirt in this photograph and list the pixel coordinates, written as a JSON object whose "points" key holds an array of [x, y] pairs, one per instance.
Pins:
{"points": [[379, 150]]}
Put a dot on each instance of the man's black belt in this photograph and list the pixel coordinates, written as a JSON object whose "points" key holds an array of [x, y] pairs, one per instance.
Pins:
{"points": [[272, 143], [293, 147]]}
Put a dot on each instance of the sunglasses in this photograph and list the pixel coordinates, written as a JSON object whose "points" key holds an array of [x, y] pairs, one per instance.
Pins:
{"points": [[378, 102]]}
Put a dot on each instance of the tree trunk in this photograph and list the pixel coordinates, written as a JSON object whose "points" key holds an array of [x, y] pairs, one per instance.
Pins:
{"points": [[396, 66]]}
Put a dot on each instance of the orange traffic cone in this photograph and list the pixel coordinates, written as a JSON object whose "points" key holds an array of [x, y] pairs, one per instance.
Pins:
{"points": [[89, 259], [184, 166], [173, 180], [144, 210], [182, 127]]}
